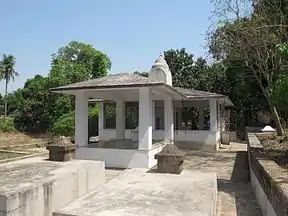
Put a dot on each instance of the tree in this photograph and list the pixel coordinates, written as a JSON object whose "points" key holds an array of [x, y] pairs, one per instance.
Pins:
{"points": [[181, 65], [1, 105], [78, 62], [144, 74], [251, 41], [8, 73], [35, 108]]}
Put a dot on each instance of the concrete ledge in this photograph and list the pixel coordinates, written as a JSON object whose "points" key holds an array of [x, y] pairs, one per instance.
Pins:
{"points": [[35, 186], [268, 180], [121, 158], [25, 155], [197, 146], [137, 192]]}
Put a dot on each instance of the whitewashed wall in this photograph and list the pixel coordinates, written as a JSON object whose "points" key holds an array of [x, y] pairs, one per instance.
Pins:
{"points": [[120, 158], [201, 136]]}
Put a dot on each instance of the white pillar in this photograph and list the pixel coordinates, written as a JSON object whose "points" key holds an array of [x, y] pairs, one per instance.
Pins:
{"points": [[81, 120], [153, 116], [218, 116], [120, 119], [145, 119], [213, 115], [169, 124], [179, 117], [201, 117], [100, 119]]}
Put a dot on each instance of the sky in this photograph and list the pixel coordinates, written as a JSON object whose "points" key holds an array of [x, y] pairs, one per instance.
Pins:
{"points": [[131, 32]]}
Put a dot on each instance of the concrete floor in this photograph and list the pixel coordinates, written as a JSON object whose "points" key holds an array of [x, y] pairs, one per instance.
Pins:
{"points": [[142, 193], [235, 194]]}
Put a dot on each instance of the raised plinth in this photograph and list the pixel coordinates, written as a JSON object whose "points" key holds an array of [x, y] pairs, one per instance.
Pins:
{"points": [[35, 186], [170, 160], [61, 149], [139, 193]]}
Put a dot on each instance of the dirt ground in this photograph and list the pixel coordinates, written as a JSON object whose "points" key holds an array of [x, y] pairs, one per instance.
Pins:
{"points": [[20, 142], [235, 194]]}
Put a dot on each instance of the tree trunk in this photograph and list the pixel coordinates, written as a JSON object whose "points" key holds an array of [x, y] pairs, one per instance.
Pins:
{"points": [[276, 118], [5, 99], [273, 110]]}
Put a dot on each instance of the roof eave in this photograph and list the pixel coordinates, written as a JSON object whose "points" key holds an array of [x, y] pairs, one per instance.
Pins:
{"points": [[61, 89]]}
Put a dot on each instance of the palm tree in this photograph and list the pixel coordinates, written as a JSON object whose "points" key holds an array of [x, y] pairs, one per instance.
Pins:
{"points": [[8, 73]]}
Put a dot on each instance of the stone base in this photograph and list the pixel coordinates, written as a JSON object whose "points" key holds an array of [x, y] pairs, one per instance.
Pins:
{"points": [[169, 165], [137, 192], [61, 153], [170, 160], [35, 186], [62, 156]]}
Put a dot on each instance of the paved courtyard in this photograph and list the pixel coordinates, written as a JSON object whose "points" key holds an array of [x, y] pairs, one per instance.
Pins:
{"points": [[235, 194]]}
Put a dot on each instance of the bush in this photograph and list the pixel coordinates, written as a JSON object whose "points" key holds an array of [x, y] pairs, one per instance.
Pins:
{"points": [[65, 125], [7, 124]]}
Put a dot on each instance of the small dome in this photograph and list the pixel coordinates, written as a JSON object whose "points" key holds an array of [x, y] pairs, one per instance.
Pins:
{"points": [[160, 71], [160, 62]]}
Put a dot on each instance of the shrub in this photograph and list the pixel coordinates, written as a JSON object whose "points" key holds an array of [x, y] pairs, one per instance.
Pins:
{"points": [[7, 124], [65, 125]]}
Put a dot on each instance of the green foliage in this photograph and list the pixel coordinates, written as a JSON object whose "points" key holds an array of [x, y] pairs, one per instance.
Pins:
{"points": [[35, 108], [78, 62], [1, 105], [6, 124], [250, 41], [144, 74], [8, 73], [65, 126]]}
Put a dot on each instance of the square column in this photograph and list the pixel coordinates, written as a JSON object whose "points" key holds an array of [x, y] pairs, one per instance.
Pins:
{"points": [[169, 120], [120, 119], [179, 119], [145, 119], [201, 117], [81, 120], [153, 116], [100, 119], [213, 115]]}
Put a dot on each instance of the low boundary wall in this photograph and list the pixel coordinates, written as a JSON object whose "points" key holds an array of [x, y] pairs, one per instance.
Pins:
{"points": [[269, 181]]}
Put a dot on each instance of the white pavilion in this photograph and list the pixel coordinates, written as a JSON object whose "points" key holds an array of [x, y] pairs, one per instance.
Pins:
{"points": [[159, 105]]}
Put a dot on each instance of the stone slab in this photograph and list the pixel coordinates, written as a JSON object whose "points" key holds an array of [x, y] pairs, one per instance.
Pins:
{"points": [[36, 186], [137, 192]]}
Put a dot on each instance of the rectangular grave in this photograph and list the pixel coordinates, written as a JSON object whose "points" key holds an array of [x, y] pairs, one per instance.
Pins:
{"points": [[139, 193], [35, 186]]}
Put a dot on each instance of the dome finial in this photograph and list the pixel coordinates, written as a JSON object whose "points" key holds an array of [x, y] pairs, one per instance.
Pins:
{"points": [[161, 58]]}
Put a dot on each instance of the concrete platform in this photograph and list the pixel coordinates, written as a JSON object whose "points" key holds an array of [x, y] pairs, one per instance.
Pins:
{"points": [[35, 186], [136, 192]]}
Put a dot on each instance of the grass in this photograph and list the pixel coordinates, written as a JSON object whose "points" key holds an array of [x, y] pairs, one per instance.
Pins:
{"points": [[275, 148], [6, 155], [20, 142]]}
